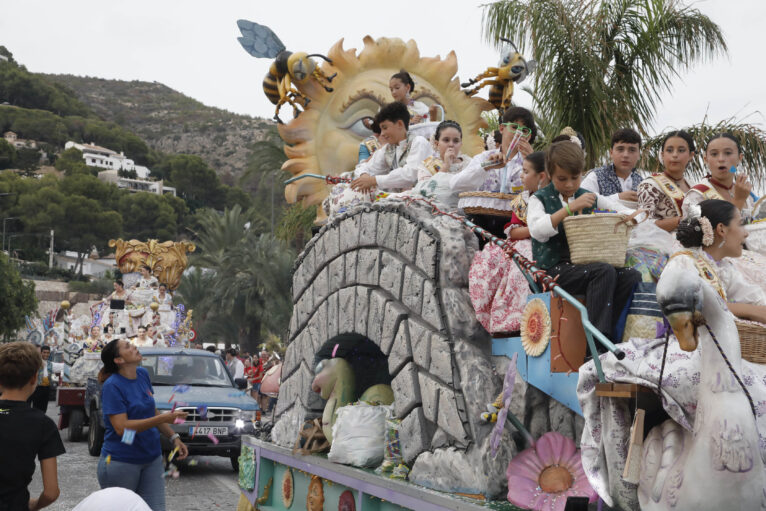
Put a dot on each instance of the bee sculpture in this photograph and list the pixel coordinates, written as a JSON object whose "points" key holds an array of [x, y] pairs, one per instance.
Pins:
{"points": [[512, 68], [287, 69]]}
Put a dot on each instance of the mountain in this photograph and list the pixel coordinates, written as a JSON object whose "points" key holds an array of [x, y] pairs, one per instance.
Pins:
{"points": [[170, 121]]}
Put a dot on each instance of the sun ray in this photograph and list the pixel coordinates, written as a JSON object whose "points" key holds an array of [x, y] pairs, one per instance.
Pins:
{"points": [[320, 140]]}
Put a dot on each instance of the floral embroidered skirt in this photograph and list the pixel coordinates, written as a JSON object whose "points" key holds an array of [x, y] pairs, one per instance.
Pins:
{"points": [[498, 288]]}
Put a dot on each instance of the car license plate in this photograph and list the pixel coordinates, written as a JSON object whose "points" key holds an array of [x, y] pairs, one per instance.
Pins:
{"points": [[206, 430]]}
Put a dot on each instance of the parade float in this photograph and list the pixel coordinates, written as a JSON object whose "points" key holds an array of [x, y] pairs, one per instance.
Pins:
{"points": [[393, 395], [68, 334]]}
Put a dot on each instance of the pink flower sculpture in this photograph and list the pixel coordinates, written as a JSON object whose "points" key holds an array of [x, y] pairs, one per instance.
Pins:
{"points": [[543, 476]]}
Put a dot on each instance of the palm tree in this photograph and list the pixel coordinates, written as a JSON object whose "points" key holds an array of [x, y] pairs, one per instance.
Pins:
{"points": [[603, 65], [244, 292], [264, 177]]}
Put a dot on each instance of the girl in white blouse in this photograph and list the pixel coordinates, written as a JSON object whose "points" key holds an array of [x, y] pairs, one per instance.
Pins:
{"points": [[714, 235], [401, 86]]}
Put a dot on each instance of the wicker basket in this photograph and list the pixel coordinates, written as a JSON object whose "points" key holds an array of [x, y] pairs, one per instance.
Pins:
{"points": [[597, 238], [482, 210], [752, 341]]}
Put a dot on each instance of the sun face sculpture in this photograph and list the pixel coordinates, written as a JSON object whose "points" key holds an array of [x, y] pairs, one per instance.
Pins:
{"points": [[324, 138]]}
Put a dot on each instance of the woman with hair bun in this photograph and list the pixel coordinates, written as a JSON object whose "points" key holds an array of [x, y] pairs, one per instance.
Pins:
{"points": [[661, 195], [713, 235], [401, 86]]}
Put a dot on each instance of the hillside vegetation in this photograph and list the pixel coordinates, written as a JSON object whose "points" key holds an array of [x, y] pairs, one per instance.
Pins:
{"points": [[170, 121]]}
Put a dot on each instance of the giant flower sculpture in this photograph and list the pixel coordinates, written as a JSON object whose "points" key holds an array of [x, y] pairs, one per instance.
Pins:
{"points": [[543, 476]]}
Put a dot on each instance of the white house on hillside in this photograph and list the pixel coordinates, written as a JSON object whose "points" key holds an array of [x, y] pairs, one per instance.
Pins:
{"points": [[93, 266], [19, 143], [135, 185], [101, 157]]}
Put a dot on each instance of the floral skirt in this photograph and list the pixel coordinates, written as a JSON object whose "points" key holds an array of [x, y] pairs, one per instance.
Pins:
{"points": [[498, 288]]}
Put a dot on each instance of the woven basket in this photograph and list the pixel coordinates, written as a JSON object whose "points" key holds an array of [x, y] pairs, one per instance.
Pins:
{"points": [[597, 238], [483, 210], [752, 341]]}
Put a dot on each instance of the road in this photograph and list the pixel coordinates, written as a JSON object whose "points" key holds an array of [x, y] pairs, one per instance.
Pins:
{"points": [[211, 484]]}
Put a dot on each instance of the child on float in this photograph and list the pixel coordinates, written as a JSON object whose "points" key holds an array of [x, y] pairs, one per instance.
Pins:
{"points": [[618, 180], [607, 289], [401, 86], [490, 171], [395, 165], [661, 196], [714, 236], [497, 287], [435, 172], [723, 151]]}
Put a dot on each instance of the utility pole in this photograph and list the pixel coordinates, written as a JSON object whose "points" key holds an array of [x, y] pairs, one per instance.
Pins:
{"points": [[4, 219], [50, 252]]}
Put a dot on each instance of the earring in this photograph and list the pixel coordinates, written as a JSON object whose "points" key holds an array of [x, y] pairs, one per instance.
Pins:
{"points": [[723, 242]]}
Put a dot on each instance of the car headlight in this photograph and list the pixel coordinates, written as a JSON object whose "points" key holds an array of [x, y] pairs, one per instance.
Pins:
{"points": [[239, 424], [247, 415]]}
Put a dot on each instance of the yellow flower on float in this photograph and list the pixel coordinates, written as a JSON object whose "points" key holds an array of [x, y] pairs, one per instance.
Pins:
{"points": [[535, 327]]}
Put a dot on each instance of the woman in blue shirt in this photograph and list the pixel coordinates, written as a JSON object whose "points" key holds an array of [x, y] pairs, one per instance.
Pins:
{"points": [[131, 456]]}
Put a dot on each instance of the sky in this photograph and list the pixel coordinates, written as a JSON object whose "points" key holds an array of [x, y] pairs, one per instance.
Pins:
{"points": [[191, 46]]}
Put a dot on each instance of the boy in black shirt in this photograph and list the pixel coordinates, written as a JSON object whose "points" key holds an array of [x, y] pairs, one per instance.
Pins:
{"points": [[25, 433]]}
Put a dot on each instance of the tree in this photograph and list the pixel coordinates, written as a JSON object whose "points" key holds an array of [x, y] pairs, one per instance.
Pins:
{"points": [[7, 154], [295, 225], [197, 183], [28, 159], [146, 215], [263, 178], [86, 225], [247, 281], [71, 162], [17, 299], [603, 65]]}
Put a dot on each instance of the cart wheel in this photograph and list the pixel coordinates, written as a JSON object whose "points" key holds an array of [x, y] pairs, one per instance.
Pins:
{"points": [[95, 434], [76, 421], [234, 463]]}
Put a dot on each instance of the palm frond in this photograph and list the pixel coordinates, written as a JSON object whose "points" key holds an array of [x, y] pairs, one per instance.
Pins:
{"points": [[603, 65]]}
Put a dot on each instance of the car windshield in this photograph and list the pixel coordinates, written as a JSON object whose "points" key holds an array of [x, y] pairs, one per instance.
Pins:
{"points": [[185, 369]]}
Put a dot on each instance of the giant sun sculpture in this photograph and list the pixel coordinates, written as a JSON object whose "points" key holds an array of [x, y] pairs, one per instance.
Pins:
{"points": [[324, 138]]}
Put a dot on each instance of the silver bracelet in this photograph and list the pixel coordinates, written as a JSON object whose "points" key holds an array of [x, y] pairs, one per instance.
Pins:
{"points": [[173, 438]]}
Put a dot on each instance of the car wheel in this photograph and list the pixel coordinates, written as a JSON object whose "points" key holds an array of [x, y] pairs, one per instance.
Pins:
{"points": [[76, 421], [234, 462], [95, 434]]}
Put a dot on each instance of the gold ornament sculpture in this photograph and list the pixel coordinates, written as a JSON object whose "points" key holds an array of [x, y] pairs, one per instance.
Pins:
{"points": [[324, 138], [166, 259]]}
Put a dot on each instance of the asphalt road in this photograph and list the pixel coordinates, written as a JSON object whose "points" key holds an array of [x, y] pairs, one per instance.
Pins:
{"points": [[211, 484]]}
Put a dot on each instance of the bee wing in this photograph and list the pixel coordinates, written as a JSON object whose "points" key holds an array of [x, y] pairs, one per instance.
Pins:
{"points": [[259, 40]]}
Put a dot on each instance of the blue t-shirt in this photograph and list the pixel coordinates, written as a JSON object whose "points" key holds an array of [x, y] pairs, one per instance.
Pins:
{"points": [[133, 397]]}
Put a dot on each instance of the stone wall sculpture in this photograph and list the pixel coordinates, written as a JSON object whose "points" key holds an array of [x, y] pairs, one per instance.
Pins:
{"points": [[398, 276]]}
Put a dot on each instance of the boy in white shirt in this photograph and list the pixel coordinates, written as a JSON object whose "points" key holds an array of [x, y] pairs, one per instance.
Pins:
{"points": [[395, 165], [607, 289]]}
